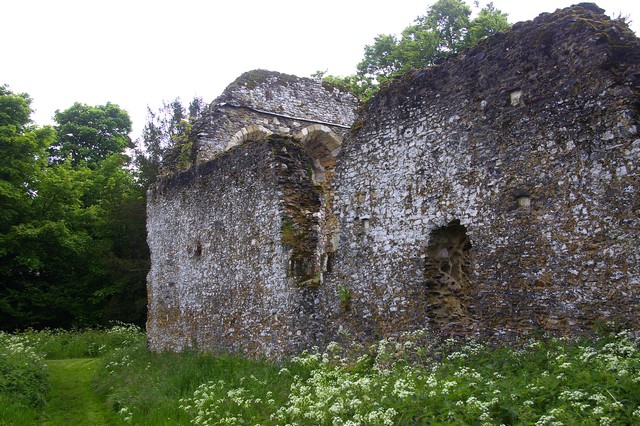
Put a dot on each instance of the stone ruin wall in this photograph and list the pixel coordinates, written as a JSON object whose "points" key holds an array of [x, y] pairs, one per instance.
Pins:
{"points": [[238, 242], [497, 193], [259, 103], [221, 273], [494, 195]]}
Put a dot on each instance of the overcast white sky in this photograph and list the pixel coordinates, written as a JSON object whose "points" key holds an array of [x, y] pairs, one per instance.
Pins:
{"points": [[140, 52]]}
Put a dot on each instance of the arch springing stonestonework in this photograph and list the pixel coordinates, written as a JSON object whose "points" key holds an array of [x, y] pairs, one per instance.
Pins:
{"points": [[249, 133], [323, 145]]}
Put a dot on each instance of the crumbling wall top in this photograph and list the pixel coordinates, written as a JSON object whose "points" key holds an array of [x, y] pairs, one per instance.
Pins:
{"points": [[593, 48], [290, 95], [260, 102]]}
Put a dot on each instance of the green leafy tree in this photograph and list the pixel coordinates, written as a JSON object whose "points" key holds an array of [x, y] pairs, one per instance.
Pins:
{"points": [[167, 138], [90, 134], [449, 21], [22, 154], [72, 229], [446, 29], [35, 251], [488, 22], [382, 57]]}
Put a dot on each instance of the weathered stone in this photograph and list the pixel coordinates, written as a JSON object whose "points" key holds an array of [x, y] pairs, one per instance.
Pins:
{"points": [[234, 252], [281, 103], [494, 194], [523, 145]]}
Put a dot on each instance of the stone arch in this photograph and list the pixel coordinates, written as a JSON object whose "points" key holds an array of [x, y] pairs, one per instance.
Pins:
{"points": [[323, 145], [249, 133], [447, 277]]}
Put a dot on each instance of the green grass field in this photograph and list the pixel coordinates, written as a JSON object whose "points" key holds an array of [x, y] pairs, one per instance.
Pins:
{"points": [[108, 377]]}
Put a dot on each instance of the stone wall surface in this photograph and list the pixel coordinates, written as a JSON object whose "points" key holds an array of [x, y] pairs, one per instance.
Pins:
{"points": [[497, 192], [494, 194], [221, 275], [260, 102]]}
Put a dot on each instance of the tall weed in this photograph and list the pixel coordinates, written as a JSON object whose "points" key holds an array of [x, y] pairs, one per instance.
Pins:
{"points": [[399, 382], [88, 343], [23, 380], [146, 387]]}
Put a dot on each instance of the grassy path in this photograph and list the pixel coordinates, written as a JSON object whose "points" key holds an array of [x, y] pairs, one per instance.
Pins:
{"points": [[72, 400]]}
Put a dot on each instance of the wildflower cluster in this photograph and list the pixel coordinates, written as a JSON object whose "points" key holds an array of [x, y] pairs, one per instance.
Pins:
{"points": [[410, 380], [340, 393], [122, 338], [23, 374], [216, 403], [123, 334]]}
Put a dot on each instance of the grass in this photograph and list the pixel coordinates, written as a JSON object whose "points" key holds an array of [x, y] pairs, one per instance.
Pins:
{"points": [[147, 387], [88, 343], [38, 387], [72, 400], [412, 379]]}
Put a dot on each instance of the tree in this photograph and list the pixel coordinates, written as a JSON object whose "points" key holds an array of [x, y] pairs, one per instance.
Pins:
{"points": [[167, 138], [446, 29], [449, 21], [488, 22], [72, 228], [22, 155], [90, 134]]}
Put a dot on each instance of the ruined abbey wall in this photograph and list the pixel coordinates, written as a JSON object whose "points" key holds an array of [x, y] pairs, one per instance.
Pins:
{"points": [[497, 192], [230, 252], [259, 103], [494, 194], [240, 241]]}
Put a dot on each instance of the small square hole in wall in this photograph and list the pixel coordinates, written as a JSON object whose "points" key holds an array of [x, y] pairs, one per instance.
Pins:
{"points": [[364, 220]]}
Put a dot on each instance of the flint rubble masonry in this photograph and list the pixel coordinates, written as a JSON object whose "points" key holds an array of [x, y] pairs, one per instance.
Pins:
{"points": [[495, 194]]}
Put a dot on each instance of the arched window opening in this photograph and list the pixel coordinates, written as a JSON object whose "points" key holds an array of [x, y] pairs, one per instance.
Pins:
{"points": [[447, 272], [249, 133], [323, 145]]}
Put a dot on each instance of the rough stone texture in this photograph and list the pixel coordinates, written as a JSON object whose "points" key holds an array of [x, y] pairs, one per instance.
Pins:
{"points": [[225, 274], [262, 102], [528, 141], [494, 194]]}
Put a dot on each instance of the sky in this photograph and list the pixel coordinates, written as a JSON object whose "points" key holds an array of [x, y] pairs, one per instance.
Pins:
{"points": [[139, 53]]}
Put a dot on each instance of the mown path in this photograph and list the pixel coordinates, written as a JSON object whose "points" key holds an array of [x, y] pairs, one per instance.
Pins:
{"points": [[72, 400]]}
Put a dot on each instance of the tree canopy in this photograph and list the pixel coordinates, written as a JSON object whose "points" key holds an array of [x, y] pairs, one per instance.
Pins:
{"points": [[72, 219], [90, 133], [73, 246], [167, 138], [446, 29], [22, 153]]}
